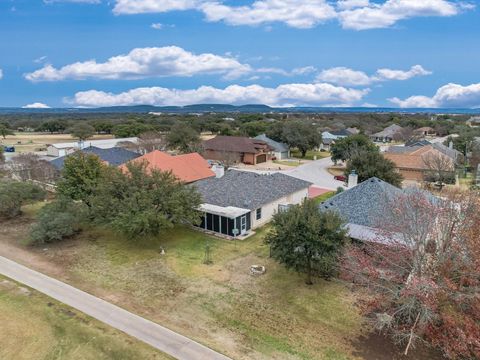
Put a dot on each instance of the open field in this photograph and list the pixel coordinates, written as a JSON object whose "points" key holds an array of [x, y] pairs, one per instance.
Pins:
{"points": [[274, 316], [35, 326], [28, 142]]}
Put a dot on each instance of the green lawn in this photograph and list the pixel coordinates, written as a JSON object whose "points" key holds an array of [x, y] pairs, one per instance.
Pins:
{"points": [[323, 197], [287, 163], [34, 326], [310, 154]]}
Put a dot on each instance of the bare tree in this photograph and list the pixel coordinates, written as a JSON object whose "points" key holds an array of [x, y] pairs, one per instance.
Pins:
{"points": [[405, 134], [29, 166], [440, 168], [423, 273]]}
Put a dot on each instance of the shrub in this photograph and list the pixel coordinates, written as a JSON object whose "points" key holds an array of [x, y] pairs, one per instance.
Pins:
{"points": [[57, 221], [15, 194]]}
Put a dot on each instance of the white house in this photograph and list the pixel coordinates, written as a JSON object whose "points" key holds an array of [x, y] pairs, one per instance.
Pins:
{"points": [[240, 201], [63, 149]]}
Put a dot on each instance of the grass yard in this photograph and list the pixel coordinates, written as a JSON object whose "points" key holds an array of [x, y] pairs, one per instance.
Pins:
{"points": [[323, 197], [310, 154], [34, 326], [274, 316], [287, 163], [27, 142]]}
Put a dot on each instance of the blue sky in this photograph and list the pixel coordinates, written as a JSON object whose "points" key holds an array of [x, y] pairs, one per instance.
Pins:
{"points": [[399, 53]]}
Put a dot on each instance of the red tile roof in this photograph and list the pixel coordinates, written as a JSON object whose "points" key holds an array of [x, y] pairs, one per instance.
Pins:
{"points": [[187, 168]]}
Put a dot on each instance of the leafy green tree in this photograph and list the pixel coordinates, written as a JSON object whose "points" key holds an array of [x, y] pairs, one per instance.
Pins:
{"points": [[301, 135], [82, 131], [307, 240], [143, 203], [344, 148], [53, 126], [254, 128], [131, 129], [369, 164], [182, 137], [57, 221], [15, 194], [80, 176], [102, 126], [5, 131]]}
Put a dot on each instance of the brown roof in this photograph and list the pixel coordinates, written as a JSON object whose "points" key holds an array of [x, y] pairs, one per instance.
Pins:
{"points": [[236, 144], [187, 168], [407, 161]]}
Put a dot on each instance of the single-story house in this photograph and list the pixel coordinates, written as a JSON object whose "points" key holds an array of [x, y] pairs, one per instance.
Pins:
{"points": [[62, 149], [426, 131], [387, 134], [187, 168], [115, 156], [326, 144], [237, 149], [414, 164], [279, 150], [363, 208], [241, 201]]}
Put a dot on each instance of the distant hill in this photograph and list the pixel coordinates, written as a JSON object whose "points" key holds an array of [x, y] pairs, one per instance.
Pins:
{"points": [[221, 108]]}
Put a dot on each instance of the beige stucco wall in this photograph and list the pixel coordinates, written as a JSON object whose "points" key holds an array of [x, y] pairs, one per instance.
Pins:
{"points": [[271, 209]]}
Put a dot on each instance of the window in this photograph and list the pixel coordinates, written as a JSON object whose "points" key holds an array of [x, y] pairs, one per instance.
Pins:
{"points": [[259, 213]]}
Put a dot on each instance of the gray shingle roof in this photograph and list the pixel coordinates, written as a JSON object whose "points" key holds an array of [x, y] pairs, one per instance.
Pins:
{"points": [[248, 190], [365, 203], [388, 131], [402, 149], [451, 153], [114, 156], [275, 145]]}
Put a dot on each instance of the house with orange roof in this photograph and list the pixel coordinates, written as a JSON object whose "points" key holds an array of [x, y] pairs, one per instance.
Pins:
{"points": [[187, 168]]}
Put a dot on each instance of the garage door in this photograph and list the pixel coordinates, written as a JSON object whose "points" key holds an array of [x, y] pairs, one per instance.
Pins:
{"points": [[284, 155], [261, 158]]}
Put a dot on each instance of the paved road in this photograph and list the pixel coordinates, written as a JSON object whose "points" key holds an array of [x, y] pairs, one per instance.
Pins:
{"points": [[157, 336]]}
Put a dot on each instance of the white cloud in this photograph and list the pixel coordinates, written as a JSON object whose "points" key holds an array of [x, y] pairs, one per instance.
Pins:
{"points": [[145, 62], [37, 105], [152, 6], [389, 74], [349, 77], [1, 73], [283, 95], [157, 26], [448, 96], [352, 14], [376, 15], [294, 13]]}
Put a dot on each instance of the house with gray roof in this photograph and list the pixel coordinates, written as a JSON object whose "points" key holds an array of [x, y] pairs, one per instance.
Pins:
{"points": [[388, 134], [280, 150], [114, 156], [240, 201], [364, 206]]}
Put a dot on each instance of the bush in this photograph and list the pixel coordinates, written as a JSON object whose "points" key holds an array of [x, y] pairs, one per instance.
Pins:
{"points": [[339, 190], [15, 194], [57, 221]]}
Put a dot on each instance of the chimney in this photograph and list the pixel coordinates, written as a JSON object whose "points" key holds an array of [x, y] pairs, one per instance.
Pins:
{"points": [[219, 170], [352, 179]]}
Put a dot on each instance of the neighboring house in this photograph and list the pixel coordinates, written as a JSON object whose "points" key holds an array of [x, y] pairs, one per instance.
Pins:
{"points": [[115, 156], [187, 168], [245, 200], [363, 208], [426, 131], [280, 150], [449, 151], [353, 131], [414, 164], [417, 142], [326, 144], [62, 149], [387, 134], [236, 149]]}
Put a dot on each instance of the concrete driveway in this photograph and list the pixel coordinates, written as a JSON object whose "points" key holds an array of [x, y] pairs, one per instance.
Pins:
{"points": [[316, 172]]}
